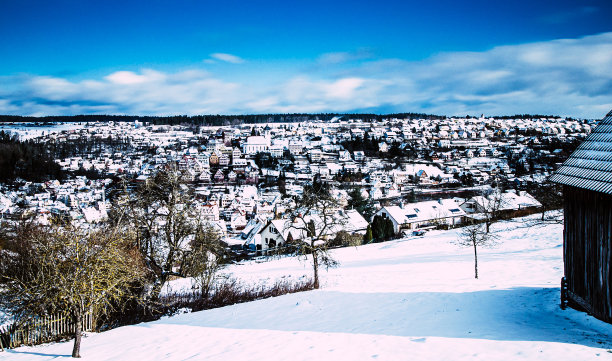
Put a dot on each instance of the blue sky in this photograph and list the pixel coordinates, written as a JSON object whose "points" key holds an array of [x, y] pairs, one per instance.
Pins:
{"points": [[239, 57]]}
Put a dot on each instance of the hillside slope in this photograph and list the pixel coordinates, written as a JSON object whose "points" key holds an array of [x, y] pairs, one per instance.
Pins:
{"points": [[408, 299]]}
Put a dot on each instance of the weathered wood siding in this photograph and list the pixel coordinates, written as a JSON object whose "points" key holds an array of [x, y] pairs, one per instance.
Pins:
{"points": [[587, 250]]}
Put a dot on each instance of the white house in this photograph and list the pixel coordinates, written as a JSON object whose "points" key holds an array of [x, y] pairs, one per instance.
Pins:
{"points": [[507, 201], [295, 147], [276, 151], [315, 155], [238, 221], [344, 156], [277, 231], [359, 155], [210, 212], [421, 214], [205, 176], [256, 144], [236, 153]]}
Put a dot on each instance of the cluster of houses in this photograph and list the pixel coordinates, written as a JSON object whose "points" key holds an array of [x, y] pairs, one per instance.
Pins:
{"points": [[221, 163], [454, 211], [80, 199], [225, 166]]}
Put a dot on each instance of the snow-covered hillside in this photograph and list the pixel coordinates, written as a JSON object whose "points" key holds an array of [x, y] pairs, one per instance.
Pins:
{"points": [[412, 299]]}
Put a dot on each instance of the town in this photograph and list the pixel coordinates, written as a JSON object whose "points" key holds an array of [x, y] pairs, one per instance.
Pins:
{"points": [[419, 173]]}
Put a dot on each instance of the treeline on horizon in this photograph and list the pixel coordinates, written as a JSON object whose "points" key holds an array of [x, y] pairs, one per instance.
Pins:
{"points": [[212, 120], [220, 120]]}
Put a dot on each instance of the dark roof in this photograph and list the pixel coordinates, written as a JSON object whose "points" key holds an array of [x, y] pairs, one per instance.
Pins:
{"points": [[590, 166]]}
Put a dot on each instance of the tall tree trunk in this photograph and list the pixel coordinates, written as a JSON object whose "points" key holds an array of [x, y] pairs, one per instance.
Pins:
{"points": [[315, 263], [475, 262], [157, 287], [78, 330]]}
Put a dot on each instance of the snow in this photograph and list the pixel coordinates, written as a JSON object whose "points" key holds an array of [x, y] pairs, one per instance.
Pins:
{"points": [[27, 131], [414, 298], [473, 161]]}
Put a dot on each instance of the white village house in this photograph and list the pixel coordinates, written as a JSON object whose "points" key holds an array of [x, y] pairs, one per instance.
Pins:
{"points": [[256, 144], [276, 232], [422, 214], [506, 201]]}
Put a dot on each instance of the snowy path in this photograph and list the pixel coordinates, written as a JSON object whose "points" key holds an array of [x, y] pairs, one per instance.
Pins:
{"points": [[413, 299]]}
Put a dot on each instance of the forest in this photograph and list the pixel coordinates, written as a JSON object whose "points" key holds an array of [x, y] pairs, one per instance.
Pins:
{"points": [[27, 160], [213, 120], [34, 161], [218, 120]]}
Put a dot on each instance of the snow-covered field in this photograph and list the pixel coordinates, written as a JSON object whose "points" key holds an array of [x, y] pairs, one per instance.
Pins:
{"points": [[412, 299], [26, 132]]}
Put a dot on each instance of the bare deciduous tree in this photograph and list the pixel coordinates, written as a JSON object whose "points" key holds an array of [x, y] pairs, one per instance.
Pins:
{"points": [[490, 206], [59, 268], [476, 235], [167, 222], [314, 224], [205, 258], [551, 197]]}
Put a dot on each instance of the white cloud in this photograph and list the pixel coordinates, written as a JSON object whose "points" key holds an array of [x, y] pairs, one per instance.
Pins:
{"points": [[343, 57], [228, 58], [128, 77], [566, 77], [344, 88]]}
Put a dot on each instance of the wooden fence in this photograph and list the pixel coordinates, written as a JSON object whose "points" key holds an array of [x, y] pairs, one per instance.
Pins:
{"points": [[41, 330]]}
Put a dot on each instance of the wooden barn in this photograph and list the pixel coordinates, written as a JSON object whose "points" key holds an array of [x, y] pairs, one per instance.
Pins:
{"points": [[586, 177]]}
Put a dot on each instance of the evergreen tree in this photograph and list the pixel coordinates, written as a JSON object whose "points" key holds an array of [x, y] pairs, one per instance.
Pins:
{"points": [[389, 232], [362, 205], [412, 197], [282, 184], [378, 229], [382, 229], [367, 238]]}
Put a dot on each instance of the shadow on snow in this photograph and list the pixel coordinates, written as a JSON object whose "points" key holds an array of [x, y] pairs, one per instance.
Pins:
{"points": [[518, 314]]}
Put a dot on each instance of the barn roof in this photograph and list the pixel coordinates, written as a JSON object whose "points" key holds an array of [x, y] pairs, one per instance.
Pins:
{"points": [[590, 166]]}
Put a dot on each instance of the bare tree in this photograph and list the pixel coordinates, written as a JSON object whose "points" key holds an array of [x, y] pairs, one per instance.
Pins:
{"points": [[475, 235], [64, 269], [490, 206], [205, 258], [313, 224], [168, 223], [551, 197]]}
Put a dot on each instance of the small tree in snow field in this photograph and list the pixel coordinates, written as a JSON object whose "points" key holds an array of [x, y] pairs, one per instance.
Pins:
{"points": [[316, 220], [476, 235]]}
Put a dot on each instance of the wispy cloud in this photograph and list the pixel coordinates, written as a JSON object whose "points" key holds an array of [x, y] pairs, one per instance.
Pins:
{"points": [[228, 58], [344, 57], [565, 77], [570, 76]]}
